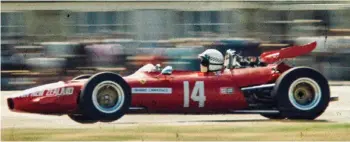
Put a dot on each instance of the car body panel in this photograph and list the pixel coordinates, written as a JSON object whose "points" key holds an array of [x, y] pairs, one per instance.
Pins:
{"points": [[55, 98], [217, 99]]}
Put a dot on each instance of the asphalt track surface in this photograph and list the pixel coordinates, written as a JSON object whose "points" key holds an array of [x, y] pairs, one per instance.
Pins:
{"points": [[337, 112]]}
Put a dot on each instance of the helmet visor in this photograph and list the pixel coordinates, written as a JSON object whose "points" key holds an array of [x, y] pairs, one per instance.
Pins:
{"points": [[204, 62]]}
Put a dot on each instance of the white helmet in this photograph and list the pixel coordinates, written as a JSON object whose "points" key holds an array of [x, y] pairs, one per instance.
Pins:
{"points": [[213, 59]]}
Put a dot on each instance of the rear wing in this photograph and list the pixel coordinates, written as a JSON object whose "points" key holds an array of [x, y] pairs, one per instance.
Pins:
{"points": [[289, 52]]}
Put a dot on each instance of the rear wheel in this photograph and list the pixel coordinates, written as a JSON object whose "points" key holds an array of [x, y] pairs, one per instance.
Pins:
{"points": [[105, 97], [301, 93]]}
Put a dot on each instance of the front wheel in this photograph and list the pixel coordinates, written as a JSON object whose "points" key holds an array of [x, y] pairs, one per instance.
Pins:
{"points": [[105, 97], [301, 93], [82, 119], [273, 115]]}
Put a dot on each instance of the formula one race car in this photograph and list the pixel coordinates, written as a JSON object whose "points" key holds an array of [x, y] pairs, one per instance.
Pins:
{"points": [[265, 85]]}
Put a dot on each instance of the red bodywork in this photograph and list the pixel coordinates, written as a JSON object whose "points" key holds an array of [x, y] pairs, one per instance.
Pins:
{"points": [[62, 97]]}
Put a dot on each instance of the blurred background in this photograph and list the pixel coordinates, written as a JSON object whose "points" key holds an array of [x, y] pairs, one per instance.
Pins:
{"points": [[43, 41]]}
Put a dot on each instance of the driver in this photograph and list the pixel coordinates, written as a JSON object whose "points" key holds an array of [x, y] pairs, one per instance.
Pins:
{"points": [[211, 60]]}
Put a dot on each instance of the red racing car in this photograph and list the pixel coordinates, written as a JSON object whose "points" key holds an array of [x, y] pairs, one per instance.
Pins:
{"points": [[264, 85]]}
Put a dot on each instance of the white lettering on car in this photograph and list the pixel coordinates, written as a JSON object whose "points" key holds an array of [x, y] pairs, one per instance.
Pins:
{"points": [[226, 90], [69, 91], [139, 90], [197, 94], [50, 92], [37, 94], [64, 91]]}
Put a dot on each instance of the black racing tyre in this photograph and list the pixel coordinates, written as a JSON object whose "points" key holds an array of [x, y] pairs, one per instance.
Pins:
{"points": [[107, 120], [83, 76], [273, 115], [105, 97], [82, 119], [301, 93]]}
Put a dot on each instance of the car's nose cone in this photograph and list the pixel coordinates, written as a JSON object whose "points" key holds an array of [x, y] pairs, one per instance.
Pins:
{"points": [[50, 98], [21, 101]]}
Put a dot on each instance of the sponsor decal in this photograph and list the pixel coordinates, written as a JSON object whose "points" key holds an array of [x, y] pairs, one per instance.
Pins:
{"points": [[35, 94], [143, 81], [151, 90], [52, 92], [226, 90], [60, 91]]}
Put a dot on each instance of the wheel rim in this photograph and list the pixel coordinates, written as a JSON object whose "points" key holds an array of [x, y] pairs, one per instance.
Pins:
{"points": [[108, 97], [304, 93]]}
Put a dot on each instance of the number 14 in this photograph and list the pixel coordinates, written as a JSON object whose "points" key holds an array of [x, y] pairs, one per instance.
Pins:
{"points": [[196, 95]]}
